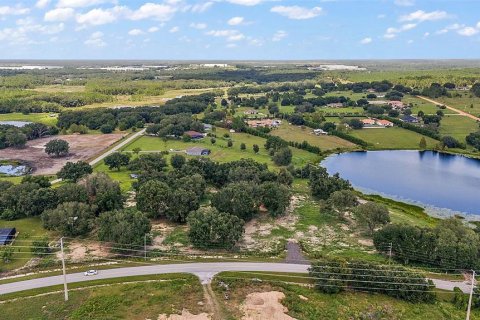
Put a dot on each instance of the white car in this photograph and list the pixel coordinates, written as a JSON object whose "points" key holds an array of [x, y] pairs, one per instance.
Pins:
{"points": [[91, 273]]}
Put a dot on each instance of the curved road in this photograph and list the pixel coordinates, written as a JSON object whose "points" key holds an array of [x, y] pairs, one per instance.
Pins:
{"points": [[205, 271]]}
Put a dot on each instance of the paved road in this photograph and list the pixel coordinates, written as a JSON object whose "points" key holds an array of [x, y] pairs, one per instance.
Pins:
{"points": [[463, 113], [112, 150], [205, 271]]}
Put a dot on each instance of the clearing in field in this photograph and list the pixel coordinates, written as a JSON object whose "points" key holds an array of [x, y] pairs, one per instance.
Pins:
{"points": [[458, 126], [299, 134], [392, 138], [82, 147]]}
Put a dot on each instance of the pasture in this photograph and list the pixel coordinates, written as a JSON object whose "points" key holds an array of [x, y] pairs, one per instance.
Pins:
{"points": [[392, 138]]}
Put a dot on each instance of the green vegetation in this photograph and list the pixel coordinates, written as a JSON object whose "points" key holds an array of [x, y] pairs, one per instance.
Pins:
{"points": [[392, 138]]}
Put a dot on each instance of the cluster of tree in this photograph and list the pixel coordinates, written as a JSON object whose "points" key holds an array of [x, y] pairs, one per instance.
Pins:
{"points": [[451, 142], [476, 89], [321, 184], [175, 125], [358, 87], [57, 147], [271, 88], [11, 136], [334, 276], [473, 139], [279, 150], [242, 188], [394, 95], [115, 87], [435, 90], [450, 244]]}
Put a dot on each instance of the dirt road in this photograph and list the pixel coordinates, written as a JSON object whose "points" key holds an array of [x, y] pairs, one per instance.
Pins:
{"points": [[463, 113]]}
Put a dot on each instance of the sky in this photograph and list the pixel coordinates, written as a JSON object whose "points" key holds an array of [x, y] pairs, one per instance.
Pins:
{"points": [[239, 29]]}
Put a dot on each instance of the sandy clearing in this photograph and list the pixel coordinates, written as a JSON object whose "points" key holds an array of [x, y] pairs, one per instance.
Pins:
{"points": [[265, 305], [82, 147], [186, 315]]}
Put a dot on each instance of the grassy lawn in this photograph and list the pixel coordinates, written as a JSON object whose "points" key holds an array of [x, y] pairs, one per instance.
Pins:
{"points": [[392, 138], [309, 304], [32, 117], [458, 126], [141, 300], [422, 105], [298, 134], [29, 230]]}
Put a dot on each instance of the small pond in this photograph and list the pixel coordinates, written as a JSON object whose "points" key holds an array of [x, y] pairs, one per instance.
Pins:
{"points": [[14, 170], [444, 184]]}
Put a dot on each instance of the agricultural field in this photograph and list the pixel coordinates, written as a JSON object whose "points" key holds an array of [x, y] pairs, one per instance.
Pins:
{"points": [[299, 134], [392, 138]]}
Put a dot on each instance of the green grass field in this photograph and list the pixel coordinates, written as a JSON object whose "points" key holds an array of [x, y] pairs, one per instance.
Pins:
{"points": [[141, 300], [294, 133], [458, 126], [32, 117], [29, 230], [425, 106], [466, 102], [392, 138]]}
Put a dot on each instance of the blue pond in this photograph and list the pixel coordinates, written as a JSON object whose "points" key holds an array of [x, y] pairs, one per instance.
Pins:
{"points": [[13, 170], [443, 183]]}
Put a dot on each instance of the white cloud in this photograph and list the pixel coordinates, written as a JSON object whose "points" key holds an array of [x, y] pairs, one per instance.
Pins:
{"points": [[13, 11], [201, 7], [421, 16], [174, 29], [231, 45], [236, 21], [246, 2], [82, 3], [153, 29], [279, 35], [42, 4], [366, 40], [96, 17], [161, 12], [405, 3], [199, 26], [59, 14], [468, 31], [95, 40], [135, 32], [296, 12], [454, 26], [392, 32], [230, 35]]}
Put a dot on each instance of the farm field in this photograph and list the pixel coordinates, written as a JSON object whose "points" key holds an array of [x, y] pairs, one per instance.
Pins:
{"points": [[392, 138], [294, 133], [143, 298], [82, 147]]}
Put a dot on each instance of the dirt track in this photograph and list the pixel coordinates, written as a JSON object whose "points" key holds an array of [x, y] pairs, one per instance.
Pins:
{"points": [[463, 113], [82, 147]]}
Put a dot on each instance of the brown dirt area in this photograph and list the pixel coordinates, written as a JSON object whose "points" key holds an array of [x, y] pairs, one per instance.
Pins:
{"points": [[82, 147], [79, 252], [186, 315], [265, 305]]}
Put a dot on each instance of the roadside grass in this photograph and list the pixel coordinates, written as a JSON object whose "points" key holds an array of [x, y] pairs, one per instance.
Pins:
{"points": [[298, 134], [458, 127], [392, 138], [29, 230], [31, 117], [305, 303], [116, 300]]}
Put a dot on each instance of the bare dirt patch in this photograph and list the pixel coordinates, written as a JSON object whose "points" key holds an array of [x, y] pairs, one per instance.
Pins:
{"points": [[186, 315], [78, 252], [265, 305], [82, 147]]}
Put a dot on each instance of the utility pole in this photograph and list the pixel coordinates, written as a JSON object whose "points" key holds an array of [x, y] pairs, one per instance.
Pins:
{"points": [[471, 295], [145, 246], [390, 253], [64, 272]]}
